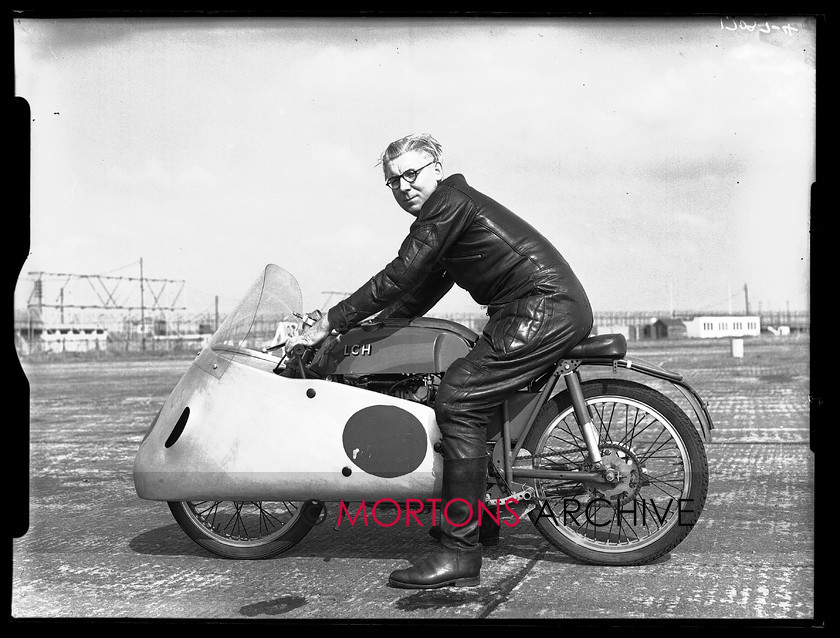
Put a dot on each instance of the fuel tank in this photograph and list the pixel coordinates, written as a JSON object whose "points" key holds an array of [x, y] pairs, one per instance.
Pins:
{"points": [[395, 346]]}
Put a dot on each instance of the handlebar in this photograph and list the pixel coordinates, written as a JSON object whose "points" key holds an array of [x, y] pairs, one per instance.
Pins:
{"points": [[297, 351], [298, 360], [300, 356]]}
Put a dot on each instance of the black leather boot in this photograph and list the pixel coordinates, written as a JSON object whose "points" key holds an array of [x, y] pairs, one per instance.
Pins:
{"points": [[457, 561], [443, 567], [488, 532]]}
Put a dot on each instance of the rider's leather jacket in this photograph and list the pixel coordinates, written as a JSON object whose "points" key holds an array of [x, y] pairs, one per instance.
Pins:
{"points": [[463, 237]]}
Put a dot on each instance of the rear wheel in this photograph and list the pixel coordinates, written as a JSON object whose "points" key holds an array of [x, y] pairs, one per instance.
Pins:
{"points": [[661, 475], [246, 529]]}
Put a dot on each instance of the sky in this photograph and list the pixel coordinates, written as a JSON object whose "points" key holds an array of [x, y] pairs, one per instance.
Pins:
{"points": [[669, 160]]}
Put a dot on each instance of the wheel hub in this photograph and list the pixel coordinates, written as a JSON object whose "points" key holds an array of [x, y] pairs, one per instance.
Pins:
{"points": [[623, 474]]}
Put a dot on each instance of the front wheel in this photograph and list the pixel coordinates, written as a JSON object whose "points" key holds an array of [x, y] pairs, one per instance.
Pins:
{"points": [[246, 529], [661, 473]]}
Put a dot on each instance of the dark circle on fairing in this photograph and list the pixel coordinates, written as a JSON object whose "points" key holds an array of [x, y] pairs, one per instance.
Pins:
{"points": [[385, 441]]}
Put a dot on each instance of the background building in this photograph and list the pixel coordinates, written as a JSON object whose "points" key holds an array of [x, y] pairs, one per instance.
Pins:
{"points": [[713, 326], [665, 328]]}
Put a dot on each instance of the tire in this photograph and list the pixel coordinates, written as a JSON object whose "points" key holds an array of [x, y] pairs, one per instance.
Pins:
{"points": [[246, 530], [661, 461]]}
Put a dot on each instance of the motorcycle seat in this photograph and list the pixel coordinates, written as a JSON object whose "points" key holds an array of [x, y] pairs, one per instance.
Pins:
{"points": [[606, 346]]}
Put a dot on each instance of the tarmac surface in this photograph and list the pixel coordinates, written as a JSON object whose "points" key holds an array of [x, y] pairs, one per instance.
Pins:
{"points": [[94, 550]]}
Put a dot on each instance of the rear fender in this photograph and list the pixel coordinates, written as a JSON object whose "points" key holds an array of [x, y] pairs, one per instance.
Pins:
{"points": [[698, 405]]}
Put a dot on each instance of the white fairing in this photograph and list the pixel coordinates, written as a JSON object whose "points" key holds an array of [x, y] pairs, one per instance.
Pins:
{"points": [[254, 435]]}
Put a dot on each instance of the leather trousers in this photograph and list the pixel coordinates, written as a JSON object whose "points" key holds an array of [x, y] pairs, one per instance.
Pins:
{"points": [[522, 340]]}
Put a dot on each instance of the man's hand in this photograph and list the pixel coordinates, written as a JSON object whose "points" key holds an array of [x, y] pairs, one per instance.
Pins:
{"points": [[312, 336]]}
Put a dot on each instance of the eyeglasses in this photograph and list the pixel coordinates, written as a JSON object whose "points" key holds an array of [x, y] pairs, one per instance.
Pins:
{"points": [[410, 175]]}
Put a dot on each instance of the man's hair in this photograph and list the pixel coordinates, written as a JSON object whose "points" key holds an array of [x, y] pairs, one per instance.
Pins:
{"points": [[422, 142]]}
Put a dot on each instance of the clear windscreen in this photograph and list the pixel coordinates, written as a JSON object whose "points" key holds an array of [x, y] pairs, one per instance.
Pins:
{"points": [[265, 317]]}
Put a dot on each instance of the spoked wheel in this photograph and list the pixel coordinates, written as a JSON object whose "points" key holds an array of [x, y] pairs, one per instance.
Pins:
{"points": [[659, 467], [246, 529]]}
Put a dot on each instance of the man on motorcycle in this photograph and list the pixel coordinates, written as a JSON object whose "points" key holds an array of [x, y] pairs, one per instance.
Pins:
{"points": [[537, 307]]}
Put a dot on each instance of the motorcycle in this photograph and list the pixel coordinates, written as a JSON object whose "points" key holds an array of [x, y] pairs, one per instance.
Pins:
{"points": [[252, 444]]}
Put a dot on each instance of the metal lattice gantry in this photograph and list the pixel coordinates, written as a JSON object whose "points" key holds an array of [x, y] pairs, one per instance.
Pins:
{"points": [[110, 292]]}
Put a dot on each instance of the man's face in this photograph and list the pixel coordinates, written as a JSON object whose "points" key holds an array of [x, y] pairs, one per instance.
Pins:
{"points": [[411, 197]]}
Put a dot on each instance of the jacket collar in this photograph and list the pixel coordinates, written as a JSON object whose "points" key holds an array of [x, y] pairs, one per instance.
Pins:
{"points": [[456, 179]]}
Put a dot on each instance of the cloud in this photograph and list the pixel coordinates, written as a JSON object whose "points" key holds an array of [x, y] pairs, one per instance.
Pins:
{"points": [[196, 176], [154, 173], [150, 171]]}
